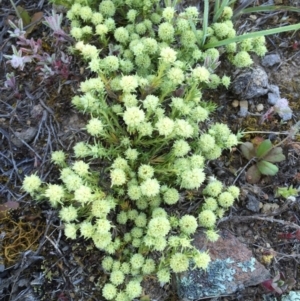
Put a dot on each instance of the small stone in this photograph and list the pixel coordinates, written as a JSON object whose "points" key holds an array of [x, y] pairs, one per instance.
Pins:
{"points": [[235, 103], [243, 108], [26, 135], [270, 60], [253, 203], [232, 267], [259, 107], [251, 83]]}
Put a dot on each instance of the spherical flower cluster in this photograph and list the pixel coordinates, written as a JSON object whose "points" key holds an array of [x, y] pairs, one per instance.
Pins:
{"points": [[133, 289], [199, 114], [212, 235], [132, 214], [83, 194], [128, 83], [68, 214], [210, 204], [201, 260], [192, 179], [151, 102], [197, 161], [148, 267], [182, 128], [168, 55], [121, 35], [70, 231], [141, 220], [118, 177], [192, 12], [107, 263], [158, 226], [145, 171], [150, 45], [131, 15], [97, 18], [87, 229], [86, 13], [137, 232], [131, 154], [120, 163], [163, 275], [72, 181], [81, 168], [234, 191], [188, 224], [242, 59], [133, 116], [140, 28], [87, 30], [213, 188], [181, 148], [102, 240], [102, 226], [31, 183], [227, 13], [188, 39], [166, 32], [171, 196], [176, 76], [232, 140], [76, 33], [94, 127], [225, 80], [122, 296], [137, 261], [110, 63], [101, 29], [145, 129], [107, 8], [117, 277], [165, 126], [225, 199], [134, 192], [206, 142], [207, 219], [150, 187], [55, 193], [179, 263], [220, 29], [168, 13], [109, 291], [200, 74]]}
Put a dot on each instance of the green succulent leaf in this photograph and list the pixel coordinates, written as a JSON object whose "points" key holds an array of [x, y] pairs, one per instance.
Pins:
{"points": [[248, 151], [253, 175], [267, 168], [286, 192], [264, 148], [275, 155]]}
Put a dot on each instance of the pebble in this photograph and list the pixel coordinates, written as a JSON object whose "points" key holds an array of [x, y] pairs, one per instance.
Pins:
{"points": [[270, 60], [259, 107]]}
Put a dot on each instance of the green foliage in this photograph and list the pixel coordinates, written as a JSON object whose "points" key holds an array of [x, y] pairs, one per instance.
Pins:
{"points": [[287, 192], [264, 154]]}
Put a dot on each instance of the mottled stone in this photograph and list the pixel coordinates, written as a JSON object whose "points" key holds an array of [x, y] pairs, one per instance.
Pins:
{"points": [[270, 60], [253, 203], [233, 267], [251, 83], [26, 135]]}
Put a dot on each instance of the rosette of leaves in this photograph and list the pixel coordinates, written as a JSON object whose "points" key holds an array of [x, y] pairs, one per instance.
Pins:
{"points": [[263, 155]]}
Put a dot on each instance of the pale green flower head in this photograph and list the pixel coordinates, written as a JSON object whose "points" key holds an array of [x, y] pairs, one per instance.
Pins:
{"points": [[210, 204], [133, 117], [192, 179], [83, 194], [151, 102], [68, 214], [213, 188], [55, 193], [137, 261], [95, 127], [183, 128], [148, 267], [134, 192], [107, 263], [86, 13], [118, 177], [188, 224], [164, 275], [86, 229], [166, 32], [102, 240], [168, 13], [165, 126], [201, 260], [117, 277], [72, 182], [171, 196], [145, 171], [242, 59], [207, 219], [235, 191], [145, 129], [81, 168], [220, 29], [226, 199], [102, 226], [121, 34], [212, 235], [128, 83], [150, 187], [131, 15], [109, 291], [160, 244], [179, 263], [101, 29], [158, 226], [97, 18], [107, 8], [31, 183], [70, 230], [181, 148], [168, 55], [200, 74], [133, 289], [176, 76]]}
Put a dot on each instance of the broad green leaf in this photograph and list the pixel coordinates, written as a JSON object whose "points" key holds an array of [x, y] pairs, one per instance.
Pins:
{"points": [[253, 175], [264, 148], [275, 155], [24, 15], [248, 151], [267, 168]]}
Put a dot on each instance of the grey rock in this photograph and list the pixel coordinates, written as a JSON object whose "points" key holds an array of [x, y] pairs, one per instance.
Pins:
{"points": [[253, 203], [273, 94], [233, 267], [26, 135], [251, 83], [270, 60]]}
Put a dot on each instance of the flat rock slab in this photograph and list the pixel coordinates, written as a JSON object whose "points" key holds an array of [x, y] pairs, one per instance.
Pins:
{"points": [[232, 268]]}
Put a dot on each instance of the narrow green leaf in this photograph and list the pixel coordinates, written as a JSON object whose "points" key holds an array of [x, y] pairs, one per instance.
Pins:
{"points": [[275, 155], [252, 35], [267, 168], [264, 148], [205, 21], [268, 8], [24, 15]]}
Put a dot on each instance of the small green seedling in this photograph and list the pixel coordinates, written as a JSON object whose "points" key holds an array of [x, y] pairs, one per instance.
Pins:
{"points": [[264, 154], [287, 192]]}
